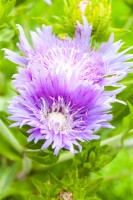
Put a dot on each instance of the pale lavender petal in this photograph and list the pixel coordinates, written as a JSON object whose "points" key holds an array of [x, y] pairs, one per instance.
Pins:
{"points": [[16, 58], [24, 45]]}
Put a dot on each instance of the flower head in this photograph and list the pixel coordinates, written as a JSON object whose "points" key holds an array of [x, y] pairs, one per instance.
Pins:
{"points": [[60, 111], [61, 86]]}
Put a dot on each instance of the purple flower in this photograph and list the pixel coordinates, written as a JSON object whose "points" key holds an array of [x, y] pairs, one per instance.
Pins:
{"points": [[60, 111], [61, 86]]}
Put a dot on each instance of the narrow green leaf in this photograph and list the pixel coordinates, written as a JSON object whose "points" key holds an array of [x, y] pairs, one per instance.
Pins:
{"points": [[93, 186], [127, 123], [7, 176], [131, 110], [55, 179], [40, 186], [7, 150], [8, 136]]}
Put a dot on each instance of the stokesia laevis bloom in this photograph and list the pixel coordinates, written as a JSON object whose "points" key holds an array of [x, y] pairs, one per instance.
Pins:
{"points": [[61, 86]]}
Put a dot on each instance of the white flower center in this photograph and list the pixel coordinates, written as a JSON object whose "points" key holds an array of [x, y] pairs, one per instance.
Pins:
{"points": [[57, 121]]}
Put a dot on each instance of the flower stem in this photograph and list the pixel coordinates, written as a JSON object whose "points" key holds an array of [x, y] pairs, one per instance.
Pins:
{"points": [[113, 141], [116, 141]]}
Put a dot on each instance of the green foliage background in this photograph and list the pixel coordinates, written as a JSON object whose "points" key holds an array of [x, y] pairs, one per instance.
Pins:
{"points": [[101, 171]]}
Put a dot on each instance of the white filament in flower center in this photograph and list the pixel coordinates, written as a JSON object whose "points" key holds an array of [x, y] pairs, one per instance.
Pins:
{"points": [[57, 121]]}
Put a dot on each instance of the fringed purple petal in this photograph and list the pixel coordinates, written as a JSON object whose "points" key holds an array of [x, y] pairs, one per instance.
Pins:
{"points": [[16, 58]]}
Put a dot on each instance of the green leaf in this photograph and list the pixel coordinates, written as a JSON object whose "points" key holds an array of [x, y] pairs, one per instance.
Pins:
{"points": [[56, 180], [118, 180], [127, 123], [42, 157], [93, 198], [2, 85], [41, 186], [96, 12], [9, 5], [6, 35], [131, 110], [1, 10], [6, 7], [87, 189], [93, 186], [36, 198], [23, 188], [8, 136], [47, 189], [2, 25], [93, 157], [19, 134], [7, 175], [32, 145], [8, 151]]}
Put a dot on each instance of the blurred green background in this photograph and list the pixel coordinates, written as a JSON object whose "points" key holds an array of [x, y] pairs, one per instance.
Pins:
{"points": [[18, 175]]}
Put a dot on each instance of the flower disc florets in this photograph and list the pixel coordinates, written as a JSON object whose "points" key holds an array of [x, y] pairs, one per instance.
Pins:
{"points": [[61, 86]]}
